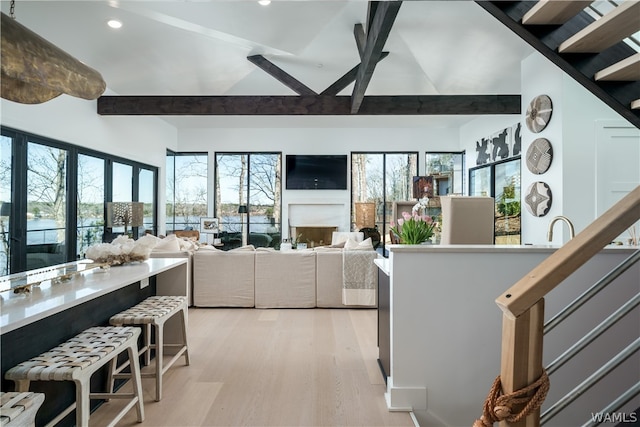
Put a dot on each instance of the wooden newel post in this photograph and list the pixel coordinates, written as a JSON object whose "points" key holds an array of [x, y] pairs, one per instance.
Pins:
{"points": [[521, 363]]}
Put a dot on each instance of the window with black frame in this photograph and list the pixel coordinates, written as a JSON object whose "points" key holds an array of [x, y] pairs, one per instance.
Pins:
{"points": [[378, 180], [248, 199], [54, 196], [501, 180]]}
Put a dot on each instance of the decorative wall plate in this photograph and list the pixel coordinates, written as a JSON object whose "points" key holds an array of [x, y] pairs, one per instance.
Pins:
{"points": [[539, 156], [538, 199], [539, 113]]}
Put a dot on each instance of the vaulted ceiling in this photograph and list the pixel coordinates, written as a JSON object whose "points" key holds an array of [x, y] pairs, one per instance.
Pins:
{"points": [[201, 47]]}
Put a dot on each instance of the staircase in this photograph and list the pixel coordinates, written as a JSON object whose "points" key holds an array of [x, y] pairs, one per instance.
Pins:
{"points": [[596, 51], [523, 331]]}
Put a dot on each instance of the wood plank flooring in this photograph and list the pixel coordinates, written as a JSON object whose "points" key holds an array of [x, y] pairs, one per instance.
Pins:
{"points": [[278, 367]]}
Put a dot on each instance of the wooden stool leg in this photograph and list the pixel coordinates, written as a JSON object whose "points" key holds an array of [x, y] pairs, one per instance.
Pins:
{"points": [[82, 401], [184, 335], [22, 385], [147, 344], [159, 355], [136, 381]]}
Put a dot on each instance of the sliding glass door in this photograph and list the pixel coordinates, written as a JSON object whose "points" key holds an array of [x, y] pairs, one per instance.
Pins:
{"points": [[248, 196], [377, 181]]}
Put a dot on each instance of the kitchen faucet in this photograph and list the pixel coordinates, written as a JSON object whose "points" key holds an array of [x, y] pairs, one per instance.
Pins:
{"points": [[572, 231]]}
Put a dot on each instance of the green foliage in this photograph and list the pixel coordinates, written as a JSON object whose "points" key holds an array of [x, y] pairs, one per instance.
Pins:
{"points": [[414, 229], [509, 208]]}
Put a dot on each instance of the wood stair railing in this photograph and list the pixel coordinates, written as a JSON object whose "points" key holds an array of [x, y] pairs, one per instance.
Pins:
{"points": [[591, 51], [523, 303]]}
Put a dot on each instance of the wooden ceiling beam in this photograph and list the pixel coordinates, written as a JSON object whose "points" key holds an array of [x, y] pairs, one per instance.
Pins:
{"points": [[361, 38], [385, 15], [348, 78], [280, 75], [307, 105]]}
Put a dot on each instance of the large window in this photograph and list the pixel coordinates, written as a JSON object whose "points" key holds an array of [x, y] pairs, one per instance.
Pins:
{"points": [[248, 190], [186, 190], [501, 181], [377, 181], [5, 202], [55, 195], [146, 195], [447, 170], [46, 205], [90, 216]]}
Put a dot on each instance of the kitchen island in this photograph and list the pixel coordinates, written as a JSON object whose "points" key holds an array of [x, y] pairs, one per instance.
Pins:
{"points": [[56, 310], [445, 328]]}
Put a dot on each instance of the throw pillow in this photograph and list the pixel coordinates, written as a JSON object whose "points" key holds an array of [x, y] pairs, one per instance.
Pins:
{"points": [[208, 248], [168, 244], [365, 245], [245, 248]]}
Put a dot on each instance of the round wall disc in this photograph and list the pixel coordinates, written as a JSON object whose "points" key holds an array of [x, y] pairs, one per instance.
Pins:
{"points": [[539, 113], [538, 199], [539, 156]]}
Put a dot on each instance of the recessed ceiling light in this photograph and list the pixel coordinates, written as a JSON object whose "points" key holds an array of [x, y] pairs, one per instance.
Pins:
{"points": [[114, 23], [264, 2]]}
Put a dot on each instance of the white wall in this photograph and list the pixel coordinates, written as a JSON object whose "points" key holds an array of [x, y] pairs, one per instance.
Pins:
{"points": [[305, 139], [572, 131]]}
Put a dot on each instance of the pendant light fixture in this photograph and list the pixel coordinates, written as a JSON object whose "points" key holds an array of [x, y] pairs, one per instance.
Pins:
{"points": [[34, 71]]}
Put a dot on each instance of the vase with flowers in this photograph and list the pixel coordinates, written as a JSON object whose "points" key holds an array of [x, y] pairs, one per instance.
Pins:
{"points": [[414, 228]]}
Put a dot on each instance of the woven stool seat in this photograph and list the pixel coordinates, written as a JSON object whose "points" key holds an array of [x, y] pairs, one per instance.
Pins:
{"points": [[154, 312], [76, 360], [66, 361], [19, 409], [149, 310]]}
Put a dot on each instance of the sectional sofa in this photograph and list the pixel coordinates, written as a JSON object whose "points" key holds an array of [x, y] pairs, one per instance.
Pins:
{"points": [[267, 278]]}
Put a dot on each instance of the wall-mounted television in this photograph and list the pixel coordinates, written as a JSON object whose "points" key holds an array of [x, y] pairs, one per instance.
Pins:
{"points": [[316, 172]]}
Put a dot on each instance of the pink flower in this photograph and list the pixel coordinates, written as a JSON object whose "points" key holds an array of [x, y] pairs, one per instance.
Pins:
{"points": [[427, 219], [400, 222], [406, 216]]}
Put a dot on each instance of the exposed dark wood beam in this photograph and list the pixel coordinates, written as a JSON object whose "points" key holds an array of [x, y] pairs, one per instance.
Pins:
{"points": [[371, 13], [280, 75], [361, 38], [379, 30], [348, 78], [307, 105]]}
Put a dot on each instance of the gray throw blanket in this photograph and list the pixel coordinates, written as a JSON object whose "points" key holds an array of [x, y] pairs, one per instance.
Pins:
{"points": [[359, 277]]}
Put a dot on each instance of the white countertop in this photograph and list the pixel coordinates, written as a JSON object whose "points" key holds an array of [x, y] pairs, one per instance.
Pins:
{"points": [[493, 248], [17, 310], [383, 265]]}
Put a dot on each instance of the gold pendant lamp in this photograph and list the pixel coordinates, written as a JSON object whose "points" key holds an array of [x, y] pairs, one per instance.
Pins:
{"points": [[35, 71]]}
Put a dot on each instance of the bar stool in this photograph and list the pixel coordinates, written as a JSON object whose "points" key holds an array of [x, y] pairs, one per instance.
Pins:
{"points": [[77, 360], [154, 311], [19, 409]]}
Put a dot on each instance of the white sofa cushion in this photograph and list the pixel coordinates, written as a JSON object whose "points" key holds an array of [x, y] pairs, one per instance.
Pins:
{"points": [[364, 245], [342, 236], [168, 244]]}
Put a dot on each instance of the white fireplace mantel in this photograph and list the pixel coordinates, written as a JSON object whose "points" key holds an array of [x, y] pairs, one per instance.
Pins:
{"points": [[318, 213]]}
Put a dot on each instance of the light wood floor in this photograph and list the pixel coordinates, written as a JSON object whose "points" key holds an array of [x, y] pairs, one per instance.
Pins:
{"points": [[289, 367]]}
